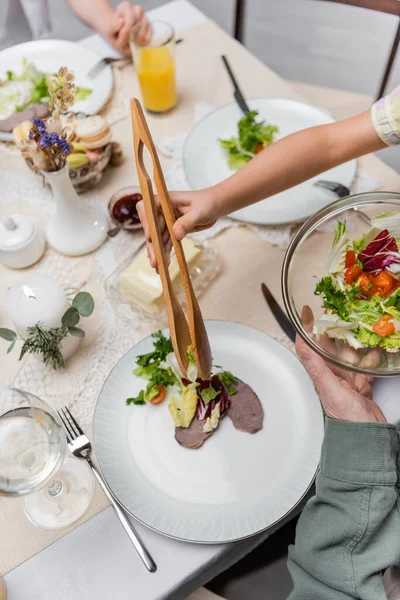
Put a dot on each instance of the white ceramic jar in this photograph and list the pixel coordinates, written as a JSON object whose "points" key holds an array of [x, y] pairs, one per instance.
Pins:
{"points": [[21, 242]]}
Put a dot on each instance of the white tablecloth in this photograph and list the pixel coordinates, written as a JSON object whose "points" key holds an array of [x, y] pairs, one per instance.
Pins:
{"points": [[96, 561]]}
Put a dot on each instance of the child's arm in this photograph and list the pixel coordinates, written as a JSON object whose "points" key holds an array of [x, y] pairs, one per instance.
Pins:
{"points": [[282, 165], [296, 158]]}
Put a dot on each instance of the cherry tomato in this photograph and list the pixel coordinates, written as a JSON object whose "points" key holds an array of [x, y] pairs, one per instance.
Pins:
{"points": [[384, 326], [259, 148], [365, 285], [383, 281], [160, 396], [352, 273], [351, 258]]}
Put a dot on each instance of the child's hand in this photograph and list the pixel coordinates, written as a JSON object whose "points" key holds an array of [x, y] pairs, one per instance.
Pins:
{"points": [[126, 17], [194, 211]]}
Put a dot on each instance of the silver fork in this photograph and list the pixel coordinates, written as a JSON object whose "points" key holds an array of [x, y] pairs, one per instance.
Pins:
{"points": [[80, 446], [121, 61]]}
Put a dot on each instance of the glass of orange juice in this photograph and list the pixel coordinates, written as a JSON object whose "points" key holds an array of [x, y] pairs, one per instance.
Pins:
{"points": [[154, 61]]}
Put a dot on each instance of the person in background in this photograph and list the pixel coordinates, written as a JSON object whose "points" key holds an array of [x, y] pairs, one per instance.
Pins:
{"points": [[114, 24]]}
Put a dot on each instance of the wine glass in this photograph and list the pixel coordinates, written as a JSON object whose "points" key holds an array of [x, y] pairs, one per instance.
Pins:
{"points": [[58, 490]]}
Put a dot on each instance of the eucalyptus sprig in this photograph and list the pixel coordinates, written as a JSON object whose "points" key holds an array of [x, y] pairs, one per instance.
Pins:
{"points": [[47, 340]]}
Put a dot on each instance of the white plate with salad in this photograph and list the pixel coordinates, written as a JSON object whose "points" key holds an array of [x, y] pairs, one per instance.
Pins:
{"points": [[224, 140], [25, 68], [252, 465]]}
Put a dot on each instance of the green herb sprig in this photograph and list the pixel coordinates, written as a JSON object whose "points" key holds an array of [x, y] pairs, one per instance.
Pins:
{"points": [[148, 366], [47, 341]]}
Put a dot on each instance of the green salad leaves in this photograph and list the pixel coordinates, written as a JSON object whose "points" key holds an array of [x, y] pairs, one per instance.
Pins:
{"points": [[333, 298], [30, 86], [149, 367], [362, 306], [252, 136]]}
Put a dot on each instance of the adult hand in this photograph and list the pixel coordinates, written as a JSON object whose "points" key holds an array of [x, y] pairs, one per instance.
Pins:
{"points": [[194, 211], [344, 395], [127, 17]]}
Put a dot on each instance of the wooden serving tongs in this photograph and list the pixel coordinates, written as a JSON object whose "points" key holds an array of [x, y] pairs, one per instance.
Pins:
{"points": [[185, 333]]}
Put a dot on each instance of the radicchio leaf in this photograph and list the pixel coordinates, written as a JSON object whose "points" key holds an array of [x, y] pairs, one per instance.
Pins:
{"points": [[380, 253], [203, 410]]}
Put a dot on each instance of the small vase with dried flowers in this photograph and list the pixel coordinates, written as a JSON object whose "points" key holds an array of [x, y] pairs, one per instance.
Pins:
{"points": [[75, 228]]}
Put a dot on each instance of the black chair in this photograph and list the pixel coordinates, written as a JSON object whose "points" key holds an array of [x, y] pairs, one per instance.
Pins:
{"points": [[239, 20]]}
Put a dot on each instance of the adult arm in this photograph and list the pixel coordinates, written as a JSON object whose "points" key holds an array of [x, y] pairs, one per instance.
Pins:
{"points": [[350, 530]]}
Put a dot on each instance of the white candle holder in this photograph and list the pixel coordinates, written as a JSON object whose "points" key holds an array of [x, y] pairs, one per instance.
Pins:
{"points": [[40, 299]]}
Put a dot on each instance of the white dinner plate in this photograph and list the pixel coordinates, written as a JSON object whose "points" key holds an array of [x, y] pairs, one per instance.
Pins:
{"points": [[205, 162], [49, 55], [236, 484]]}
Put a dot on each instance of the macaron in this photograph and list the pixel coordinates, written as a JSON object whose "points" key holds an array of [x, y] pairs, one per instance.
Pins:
{"points": [[93, 132]]}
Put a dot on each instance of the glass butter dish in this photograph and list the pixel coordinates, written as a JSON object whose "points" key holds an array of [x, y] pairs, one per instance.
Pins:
{"points": [[134, 289]]}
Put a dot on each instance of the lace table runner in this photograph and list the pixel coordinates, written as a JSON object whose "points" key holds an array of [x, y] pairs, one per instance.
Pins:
{"points": [[107, 335]]}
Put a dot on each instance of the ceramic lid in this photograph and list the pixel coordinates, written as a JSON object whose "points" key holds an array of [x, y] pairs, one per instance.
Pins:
{"points": [[15, 231]]}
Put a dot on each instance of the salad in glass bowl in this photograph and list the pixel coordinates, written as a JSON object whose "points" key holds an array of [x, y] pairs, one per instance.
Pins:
{"points": [[345, 264]]}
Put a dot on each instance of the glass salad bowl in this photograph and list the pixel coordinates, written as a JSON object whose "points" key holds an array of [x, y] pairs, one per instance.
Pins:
{"points": [[344, 263]]}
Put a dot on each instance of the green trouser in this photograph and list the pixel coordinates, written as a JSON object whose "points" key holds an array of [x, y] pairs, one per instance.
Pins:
{"points": [[350, 530]]}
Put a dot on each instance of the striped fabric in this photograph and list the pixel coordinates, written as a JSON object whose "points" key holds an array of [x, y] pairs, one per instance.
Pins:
{"points": [[385, 115]]}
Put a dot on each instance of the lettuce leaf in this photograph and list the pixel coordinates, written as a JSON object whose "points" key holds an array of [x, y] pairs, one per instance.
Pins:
{"points": [[82, 93], [334, 299], [393, 300], [348, 335], [389, 221], [362, 242], [337, 253], [138, 401], [229, 380], [391, 342], [368, 311], [209, 394], [367, 337], [251, 133], [183, 408], [146, 371], [152, 390], [331, 321]]}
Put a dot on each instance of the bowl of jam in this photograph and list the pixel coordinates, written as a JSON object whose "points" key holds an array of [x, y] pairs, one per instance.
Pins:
{"points": [[122, 208]]}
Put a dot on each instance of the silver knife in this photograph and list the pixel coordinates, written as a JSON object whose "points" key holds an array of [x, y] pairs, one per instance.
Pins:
{"points": [[278, 313]]}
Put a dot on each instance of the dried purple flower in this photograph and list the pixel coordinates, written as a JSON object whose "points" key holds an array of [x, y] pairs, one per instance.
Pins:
{"points": [[40, 124], [64, 146], [45, 140]]}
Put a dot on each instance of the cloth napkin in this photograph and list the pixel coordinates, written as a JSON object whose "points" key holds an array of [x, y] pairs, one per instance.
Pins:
{"points": [[277, 235]]}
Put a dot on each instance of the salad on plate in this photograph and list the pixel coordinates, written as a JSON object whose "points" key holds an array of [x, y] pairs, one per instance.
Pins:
{"points": [[361, 289], [18, 91], [196, 406], [253, 136]]}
